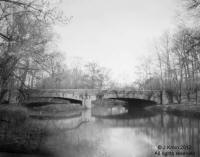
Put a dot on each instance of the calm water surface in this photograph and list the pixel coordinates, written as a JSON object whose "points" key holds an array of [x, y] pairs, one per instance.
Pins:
{"points": [[126, 136]]}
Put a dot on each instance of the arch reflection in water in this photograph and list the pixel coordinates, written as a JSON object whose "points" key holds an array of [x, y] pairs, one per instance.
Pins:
{"points": [[129, 137], [134, 135]]}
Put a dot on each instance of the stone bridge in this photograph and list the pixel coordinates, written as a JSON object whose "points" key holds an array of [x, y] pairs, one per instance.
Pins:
{"points": [[86, 96]]}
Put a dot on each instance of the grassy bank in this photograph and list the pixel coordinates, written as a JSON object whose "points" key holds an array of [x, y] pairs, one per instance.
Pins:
{"points": [[55, 111], [18, 133]]}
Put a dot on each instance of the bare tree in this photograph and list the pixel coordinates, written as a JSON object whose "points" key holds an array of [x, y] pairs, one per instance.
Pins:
{"points": [[97, 76], [25, 29]]}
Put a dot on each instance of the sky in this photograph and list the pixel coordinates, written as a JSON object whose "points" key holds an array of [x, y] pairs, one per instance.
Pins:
{"points": [[114, 33]]}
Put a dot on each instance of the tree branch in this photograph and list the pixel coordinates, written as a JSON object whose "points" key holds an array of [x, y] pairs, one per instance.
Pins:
{"points": [[21, 4]]}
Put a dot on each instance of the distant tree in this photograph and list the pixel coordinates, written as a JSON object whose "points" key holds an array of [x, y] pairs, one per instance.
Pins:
{"points": [[96, 75], [93, 76]]}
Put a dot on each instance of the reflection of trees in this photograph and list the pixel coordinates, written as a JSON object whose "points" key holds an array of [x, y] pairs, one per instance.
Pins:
{"points": [[163, 129], [79, 138], [55, 128], [83, 139], [175, 131], [24, 137]]}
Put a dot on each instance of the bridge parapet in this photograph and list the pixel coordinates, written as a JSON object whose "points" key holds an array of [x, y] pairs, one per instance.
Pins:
{"points": [[88, 95], [84, 95]]}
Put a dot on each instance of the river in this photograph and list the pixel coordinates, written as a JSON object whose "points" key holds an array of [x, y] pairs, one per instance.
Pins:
{"points": [[159, 134]]}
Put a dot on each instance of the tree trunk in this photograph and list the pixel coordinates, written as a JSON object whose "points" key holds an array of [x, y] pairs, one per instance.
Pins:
{"points": [[3, 91], [196, 95]]}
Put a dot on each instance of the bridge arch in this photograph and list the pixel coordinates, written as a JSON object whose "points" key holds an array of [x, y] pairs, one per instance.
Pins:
{"points": [[86, 96]]}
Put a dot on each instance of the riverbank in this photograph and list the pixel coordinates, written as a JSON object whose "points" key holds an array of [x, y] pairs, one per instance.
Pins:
{"points": [[19, 133], [24, 130], [187, 110], [47, 111], [56, 111]]}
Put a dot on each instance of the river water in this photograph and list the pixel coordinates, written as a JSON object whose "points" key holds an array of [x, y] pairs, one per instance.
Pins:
{"points": [[158, 134]]}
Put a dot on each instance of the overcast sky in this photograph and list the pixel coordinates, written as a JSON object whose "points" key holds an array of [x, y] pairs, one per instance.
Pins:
{"points": [[114, 33]]}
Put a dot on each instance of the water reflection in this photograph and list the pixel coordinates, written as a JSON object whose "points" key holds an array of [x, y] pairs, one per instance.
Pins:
{"points": [[130, 137], [87, 136]]}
